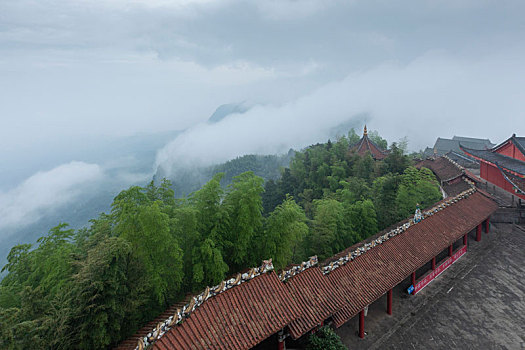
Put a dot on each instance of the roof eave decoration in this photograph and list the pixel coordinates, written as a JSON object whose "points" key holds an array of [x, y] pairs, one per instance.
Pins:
{"points": [[196, 301], [511, 139], [472, 160], [508, 167], [418, 217], [518, 144], [286, 274], [516, 188], [462, 169]]}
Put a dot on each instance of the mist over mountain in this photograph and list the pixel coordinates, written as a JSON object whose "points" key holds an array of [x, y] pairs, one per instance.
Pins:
{"points": [[188, 172], [227, 109], [71, 184], [75, 191], [83, 189]]}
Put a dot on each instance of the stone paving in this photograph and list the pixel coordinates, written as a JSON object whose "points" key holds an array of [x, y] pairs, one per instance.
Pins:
{"points": [[478, 303]]}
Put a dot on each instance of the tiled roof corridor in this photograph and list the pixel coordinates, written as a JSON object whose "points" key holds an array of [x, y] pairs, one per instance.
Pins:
{"points": [[478, 303]]}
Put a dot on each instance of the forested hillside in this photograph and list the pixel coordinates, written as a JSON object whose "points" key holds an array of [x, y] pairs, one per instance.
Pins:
{"points": [[186, 181], [79, 212], [91, 288]]}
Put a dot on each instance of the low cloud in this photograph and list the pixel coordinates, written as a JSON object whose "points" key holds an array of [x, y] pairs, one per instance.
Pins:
{"points": [[117, 67], [46, 191], [291, 9], [434, 95]]}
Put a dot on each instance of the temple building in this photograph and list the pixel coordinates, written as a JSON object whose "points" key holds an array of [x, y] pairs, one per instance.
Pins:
{"points": [[367, 146], [503, 165], [443, 146], [450, 173]]}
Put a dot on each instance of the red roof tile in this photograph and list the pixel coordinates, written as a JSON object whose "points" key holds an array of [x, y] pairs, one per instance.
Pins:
{"points": [[238, 318], [131, 342], [455, 187], [372, 274], [317, 299], [442, 167]]}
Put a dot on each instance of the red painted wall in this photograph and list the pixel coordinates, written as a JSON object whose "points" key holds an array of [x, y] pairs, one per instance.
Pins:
{"points": [[493, 175], [511, 150]]}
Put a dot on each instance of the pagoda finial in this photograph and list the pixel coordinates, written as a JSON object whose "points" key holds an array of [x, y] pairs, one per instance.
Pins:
{"points": [[365, 132]]}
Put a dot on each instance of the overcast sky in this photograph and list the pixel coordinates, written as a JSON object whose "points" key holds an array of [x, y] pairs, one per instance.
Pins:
{"points": [[72, 71]]}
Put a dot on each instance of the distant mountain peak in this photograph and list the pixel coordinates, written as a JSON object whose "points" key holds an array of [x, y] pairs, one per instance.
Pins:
{"points": [[225, 110]]}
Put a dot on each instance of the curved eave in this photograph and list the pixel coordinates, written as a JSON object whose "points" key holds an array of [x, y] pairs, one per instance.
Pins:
{"points": [[512, 140], [518, 145], [516, 187], [497, 165]]}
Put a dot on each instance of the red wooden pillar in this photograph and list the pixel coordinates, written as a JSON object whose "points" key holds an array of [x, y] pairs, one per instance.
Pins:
{"points": [[280, 341], [414, 279], [389, 302], [433, 263], [450, 250], [487, 225], [362, 324], [478, 233]]}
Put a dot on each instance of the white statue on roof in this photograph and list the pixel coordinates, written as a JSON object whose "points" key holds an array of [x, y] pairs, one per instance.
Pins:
{"points": [[417, 216]]}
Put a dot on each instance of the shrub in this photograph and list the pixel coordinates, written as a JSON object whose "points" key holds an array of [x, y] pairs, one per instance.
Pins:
{"points": [[325, 339]]}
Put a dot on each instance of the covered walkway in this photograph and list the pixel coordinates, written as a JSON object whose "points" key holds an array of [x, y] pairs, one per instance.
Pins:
{"points": [[244, 311]]}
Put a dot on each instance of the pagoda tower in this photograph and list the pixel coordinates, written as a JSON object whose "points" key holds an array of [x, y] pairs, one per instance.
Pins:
{"points": [[365, 145]]}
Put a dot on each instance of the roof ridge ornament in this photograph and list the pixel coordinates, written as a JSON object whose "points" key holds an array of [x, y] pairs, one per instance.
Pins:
{"points": [[286, 274], [196, 301], [399, 230], [365, 132], [454, 163]]}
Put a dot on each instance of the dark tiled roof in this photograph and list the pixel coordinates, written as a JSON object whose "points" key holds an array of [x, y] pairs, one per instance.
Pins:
{"points": [[448, 173], [443, 146], [239, 318], [503, 161], [428, 152], [369, 276], [455, 188], [441, 167], [463, 160], [471, 176], [520, 143], [474, 143]]}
